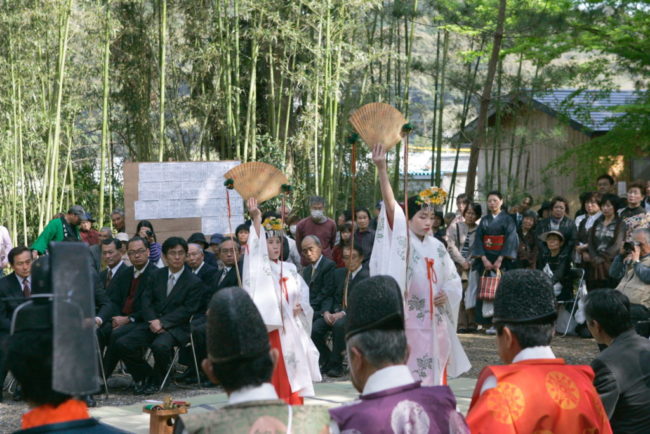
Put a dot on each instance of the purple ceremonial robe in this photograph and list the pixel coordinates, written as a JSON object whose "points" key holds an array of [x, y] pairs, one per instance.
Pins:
{"points": [[406, 409]]}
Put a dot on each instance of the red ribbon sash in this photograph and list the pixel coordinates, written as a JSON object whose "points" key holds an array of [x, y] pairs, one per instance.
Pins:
{"points": [[283, 286], [433, 278]]}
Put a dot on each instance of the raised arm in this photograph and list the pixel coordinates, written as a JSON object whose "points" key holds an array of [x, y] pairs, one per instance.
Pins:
{"points": [[379, 157], [255, 213]]}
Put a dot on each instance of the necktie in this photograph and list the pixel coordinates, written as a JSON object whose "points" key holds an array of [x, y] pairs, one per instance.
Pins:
{"points": [[170, 284], [223, 275], [27, 291], [109, 276], [313, 273]]}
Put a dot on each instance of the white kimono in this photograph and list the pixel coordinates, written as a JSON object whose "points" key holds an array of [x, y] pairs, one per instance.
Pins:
{"points": [[276, 288], [434, 345]]}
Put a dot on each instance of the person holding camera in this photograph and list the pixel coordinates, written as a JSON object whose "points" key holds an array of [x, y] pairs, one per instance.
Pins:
{"points": [[145, 231], [632, 267]]}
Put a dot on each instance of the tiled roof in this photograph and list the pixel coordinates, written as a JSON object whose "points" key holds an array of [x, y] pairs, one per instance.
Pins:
{"points": [[591, 109]]}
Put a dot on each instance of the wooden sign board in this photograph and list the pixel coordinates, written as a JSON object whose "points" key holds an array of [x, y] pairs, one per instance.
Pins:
{"points": [[180, 198]]}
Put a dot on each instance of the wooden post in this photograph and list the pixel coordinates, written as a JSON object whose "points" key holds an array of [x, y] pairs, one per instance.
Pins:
{"points": [[162, 421]]}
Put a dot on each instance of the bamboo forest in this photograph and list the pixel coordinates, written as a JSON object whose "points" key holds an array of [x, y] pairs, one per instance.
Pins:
{"points": [[89, 85]]}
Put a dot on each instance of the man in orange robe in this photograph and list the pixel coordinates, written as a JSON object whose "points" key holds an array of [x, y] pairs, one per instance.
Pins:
{"points": [[535, 392]]}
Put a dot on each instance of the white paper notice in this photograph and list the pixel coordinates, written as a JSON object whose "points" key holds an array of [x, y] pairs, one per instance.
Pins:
{"points": [[186, 190]]}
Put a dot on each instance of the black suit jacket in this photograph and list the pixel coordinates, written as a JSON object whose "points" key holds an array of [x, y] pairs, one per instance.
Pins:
{"points": [[112, 284], [103, 306], [208, 274], [121, 284], [11, 296], [321, 285], [230, 279], [339, 280], [623, 382], [210, 258], [173, 311]]}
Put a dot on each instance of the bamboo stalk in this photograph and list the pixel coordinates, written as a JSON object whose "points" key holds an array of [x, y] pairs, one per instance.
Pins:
{"points": [[64, 27], [162, 39], [105, 95], [441, 108]]}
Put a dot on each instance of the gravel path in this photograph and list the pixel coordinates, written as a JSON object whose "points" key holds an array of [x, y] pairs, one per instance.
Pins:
{"points": [[481, 350]]}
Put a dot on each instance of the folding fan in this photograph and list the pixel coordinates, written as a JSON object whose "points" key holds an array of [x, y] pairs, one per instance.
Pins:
{"points": [[259, 180], [378, 122]]}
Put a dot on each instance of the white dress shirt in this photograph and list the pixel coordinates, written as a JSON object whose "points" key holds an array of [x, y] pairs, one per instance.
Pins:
{"points": [[176, 275], [388, 378], [197, 269], [137, 273], [21, 282], [114, 269], [264, 392], [355, 272]]}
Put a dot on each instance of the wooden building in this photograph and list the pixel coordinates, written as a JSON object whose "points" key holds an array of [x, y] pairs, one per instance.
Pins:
{"points": [[528, 134]]}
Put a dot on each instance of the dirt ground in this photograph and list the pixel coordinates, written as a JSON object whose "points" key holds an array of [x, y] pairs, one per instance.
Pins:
{"points": [[481, 350]]}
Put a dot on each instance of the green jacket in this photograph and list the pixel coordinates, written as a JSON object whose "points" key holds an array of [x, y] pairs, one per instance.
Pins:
{"points": [[257, 417], [54, 231]]}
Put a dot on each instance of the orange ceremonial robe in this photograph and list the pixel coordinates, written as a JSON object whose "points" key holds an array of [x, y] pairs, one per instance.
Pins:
{"points": [[542, 396]]}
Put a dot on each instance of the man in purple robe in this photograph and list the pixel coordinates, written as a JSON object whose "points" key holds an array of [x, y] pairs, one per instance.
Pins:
{"points": [[391, 400]]}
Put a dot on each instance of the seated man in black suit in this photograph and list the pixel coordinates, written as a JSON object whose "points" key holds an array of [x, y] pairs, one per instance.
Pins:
{"points": [[319, 275], [126, 297], [197, 264], [14, 289], [226, 277], [109, 279], [229, 254], [623, 368], [209, 257], [168, 303], [112, 258], [345, 279]]}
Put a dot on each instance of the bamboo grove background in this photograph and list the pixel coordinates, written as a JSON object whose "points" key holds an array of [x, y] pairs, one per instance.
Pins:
{"points": [[88, 84]]}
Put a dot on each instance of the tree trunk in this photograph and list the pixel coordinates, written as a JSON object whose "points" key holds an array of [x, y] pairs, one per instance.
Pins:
{"points": [[485, 102]]}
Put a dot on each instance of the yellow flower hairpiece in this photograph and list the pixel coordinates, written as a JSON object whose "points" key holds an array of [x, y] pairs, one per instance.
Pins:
{"points": [[431, 196], [272, 224]]}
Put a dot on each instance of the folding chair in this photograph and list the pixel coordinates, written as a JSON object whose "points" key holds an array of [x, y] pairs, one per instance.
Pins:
{"points": [[101, 365], [175, 360], [578, 273], [11, 387]]}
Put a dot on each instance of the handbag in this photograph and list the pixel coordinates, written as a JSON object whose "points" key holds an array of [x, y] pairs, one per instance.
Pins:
{"points": [[489, 285]]}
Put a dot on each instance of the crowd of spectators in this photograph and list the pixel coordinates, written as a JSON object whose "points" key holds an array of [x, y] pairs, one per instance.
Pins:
{"points": [[155, 295]]}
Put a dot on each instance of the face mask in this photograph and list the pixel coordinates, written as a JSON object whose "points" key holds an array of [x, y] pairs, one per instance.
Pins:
{"points": [[317, 214], [292, 228]]}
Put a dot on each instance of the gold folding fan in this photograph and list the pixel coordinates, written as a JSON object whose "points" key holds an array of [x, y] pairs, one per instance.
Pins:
{"points": [[255, 179], [378, 122]]}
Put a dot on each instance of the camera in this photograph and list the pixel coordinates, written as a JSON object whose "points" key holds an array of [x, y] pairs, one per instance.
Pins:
{"points": [[149, 233], [629, 246]]}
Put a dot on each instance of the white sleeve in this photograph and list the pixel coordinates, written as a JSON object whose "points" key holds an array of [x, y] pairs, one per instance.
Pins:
{"points": [[257, 280], [389, 249]]}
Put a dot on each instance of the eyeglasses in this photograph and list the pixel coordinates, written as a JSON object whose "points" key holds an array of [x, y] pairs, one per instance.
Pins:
{"points": [[137, 252]]}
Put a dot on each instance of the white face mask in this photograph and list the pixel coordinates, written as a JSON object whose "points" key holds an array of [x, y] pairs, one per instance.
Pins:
{"points": [[293, 228], [317, 214]]}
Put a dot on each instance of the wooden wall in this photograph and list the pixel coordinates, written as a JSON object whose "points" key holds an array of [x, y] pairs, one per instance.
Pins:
{"points": [[539, 138]]}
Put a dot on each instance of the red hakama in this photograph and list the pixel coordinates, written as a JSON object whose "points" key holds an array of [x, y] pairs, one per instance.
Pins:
{"points": [[280, 379]]}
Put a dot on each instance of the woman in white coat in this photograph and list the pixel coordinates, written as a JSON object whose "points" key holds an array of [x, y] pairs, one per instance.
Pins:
{"points": [[282, 296]]}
